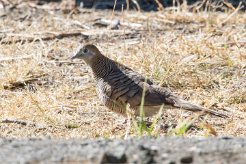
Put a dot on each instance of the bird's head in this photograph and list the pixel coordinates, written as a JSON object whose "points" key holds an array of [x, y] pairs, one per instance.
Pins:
{"points": [[88, 52]]}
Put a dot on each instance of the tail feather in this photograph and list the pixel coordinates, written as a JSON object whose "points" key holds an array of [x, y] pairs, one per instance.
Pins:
{"points": [[180, 103]]}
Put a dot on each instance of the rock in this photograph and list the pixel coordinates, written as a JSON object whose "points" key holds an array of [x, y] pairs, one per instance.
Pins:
{"points": [[144, 150]]}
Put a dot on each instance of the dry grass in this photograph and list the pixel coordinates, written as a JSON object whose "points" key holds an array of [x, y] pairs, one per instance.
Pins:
{"points": [[199, 55]]}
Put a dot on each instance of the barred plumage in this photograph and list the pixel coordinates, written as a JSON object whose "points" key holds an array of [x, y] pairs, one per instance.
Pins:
{"points": [[117, 86]]}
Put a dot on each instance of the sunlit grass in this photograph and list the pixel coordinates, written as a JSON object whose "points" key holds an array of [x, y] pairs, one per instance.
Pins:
{"points": [[191, 53]]}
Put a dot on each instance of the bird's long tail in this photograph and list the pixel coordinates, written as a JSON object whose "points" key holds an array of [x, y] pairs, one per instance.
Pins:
{"points": [[180, 103]]}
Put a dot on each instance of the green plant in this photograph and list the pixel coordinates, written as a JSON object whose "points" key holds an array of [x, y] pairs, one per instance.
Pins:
{"points": [[141, 126], [183, 127]]}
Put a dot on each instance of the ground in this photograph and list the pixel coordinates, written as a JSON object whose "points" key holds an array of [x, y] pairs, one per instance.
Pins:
{"points": [[199, 55]]}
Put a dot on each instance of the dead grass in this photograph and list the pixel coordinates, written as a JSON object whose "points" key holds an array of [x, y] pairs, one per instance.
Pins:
{"points": [[199, 55]]}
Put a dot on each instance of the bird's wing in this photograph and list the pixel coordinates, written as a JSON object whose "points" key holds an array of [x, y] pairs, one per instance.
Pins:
{"points": [[134, 75], [127, 87]]}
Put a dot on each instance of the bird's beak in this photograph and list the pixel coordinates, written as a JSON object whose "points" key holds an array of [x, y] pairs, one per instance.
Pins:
{"points": [[74, 56]]}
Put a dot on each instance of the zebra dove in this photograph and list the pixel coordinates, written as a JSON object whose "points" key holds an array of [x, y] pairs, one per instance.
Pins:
{"points": [[118, 86]]}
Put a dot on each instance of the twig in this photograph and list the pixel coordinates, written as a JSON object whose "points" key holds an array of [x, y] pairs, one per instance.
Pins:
{"points": [[30, 38], [242, 42], [15, 58], [64, 62], [6, 30], [160, 7], [111, 24], [127, 5], [14, 121], [27, 80], [232, 14], [23, 38], [137, 5], [112, 15], [165, 21], [73, 22]]}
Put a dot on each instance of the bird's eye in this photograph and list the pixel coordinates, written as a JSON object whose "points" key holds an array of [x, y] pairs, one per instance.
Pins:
{"points": [[85, 50]]}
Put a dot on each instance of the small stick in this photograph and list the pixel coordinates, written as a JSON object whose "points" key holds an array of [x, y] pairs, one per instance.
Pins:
{"points": [[30, 38], [15, 58], [14, 121], [231, 15], [112, 15]]}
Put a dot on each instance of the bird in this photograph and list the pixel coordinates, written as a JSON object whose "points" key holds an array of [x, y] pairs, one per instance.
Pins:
{"points": [[119, 87]]}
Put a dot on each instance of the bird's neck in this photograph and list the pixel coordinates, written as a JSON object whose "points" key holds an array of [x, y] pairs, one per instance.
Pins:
{"points": [[101, 67]]}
